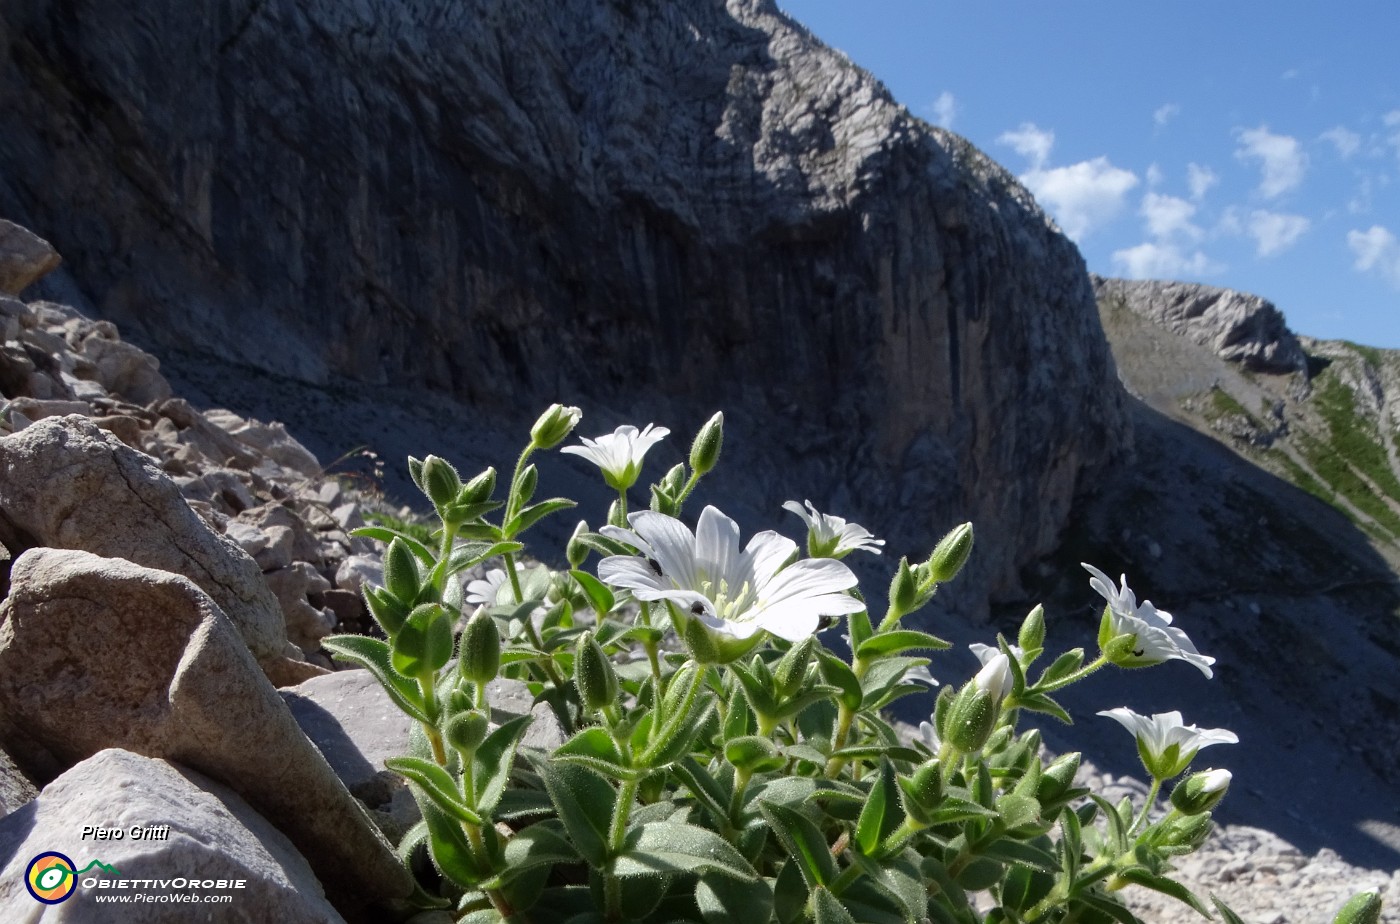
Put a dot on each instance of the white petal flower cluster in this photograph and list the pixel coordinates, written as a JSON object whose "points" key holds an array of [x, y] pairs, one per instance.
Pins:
{"points": [[1156, 639], [832, 537], [619, 454], [487, 590], [1167, 745], [734, 592]]}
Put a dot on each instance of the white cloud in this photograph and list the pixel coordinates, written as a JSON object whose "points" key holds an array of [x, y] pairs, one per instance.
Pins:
{"points": [[1168, 216], [1274, 233], [1154, 175], [1082, 196], [945, 108], [1346, 142], [1200, 179], [1281, 159], [1030, 142], [1162, 261], [1165, 113], [1378, 251]]}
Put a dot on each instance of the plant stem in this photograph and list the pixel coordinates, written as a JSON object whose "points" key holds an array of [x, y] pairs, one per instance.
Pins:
{"points": [[512, 507], [430, 706], [1078, 675], [1152, 792], [617, 839]]}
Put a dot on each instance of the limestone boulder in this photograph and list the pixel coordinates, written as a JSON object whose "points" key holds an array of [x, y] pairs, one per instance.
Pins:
{"points": [[98, 653], [67, 483], [293, 585], [24, 257], [201, 831], [16, 790]]}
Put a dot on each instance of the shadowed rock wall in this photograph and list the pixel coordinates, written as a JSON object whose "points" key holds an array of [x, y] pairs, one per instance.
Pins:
{"points": [[664, 208]]}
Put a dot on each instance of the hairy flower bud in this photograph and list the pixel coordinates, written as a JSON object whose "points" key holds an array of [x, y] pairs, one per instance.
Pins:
{"points": [[971, 718], [424, 643], [704, 452], [401, 577], [480, 488], [951, 553], [554, 426], [465, 731], [791, 669], [904, 589], [1200, 792], [1361, 908], [481, 649], [593, 674], [440, 481], [1032, 634], [922, 792], [1188, 831], [576, 551]]}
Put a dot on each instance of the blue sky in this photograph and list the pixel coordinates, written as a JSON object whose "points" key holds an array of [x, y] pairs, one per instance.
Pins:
{"points": [[1243, 144]]}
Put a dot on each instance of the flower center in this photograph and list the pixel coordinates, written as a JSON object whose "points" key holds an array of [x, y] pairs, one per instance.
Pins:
{"points": [[729, 604]]}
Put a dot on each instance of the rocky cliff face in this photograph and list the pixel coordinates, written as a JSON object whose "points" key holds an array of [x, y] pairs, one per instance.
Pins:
{"points": [[656, 208]]}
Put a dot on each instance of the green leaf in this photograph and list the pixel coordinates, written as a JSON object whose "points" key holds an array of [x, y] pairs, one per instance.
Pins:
{"points": [[1017, 810], [953, 809], [1227, 914], [670, 847], [493, 761], [1010, 850], [900, 640], [518, 804], [447, 843], [828, 908], [724, 899], [706, 789], [861, 629], [545, 842], [534, 513], [1107, 906], [604, 545], [675, 738], [789, 893], [436, 783], [1117, 830], [599, 597], [814, 694], [595, 749], [758, 693], [387, 536], [804, 843], [880, 816], [1039, 702], [584, 802], [839, 674], [469, 554], [375, 656], [1145, 878]]}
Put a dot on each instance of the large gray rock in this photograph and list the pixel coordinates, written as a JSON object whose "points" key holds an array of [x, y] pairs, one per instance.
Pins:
{"points": [[209, 833], [24, 258], [66, 483], [657, 208], [98, 653], [1239, 327]]}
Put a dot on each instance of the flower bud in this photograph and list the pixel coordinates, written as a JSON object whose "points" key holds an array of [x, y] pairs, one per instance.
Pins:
{"points": [[971, 718], [481, 649], [440, 481], [1200, 792], [415, 471], [1187, 831], [554, 426], [753, 753], [576, 551], [401, 577], [594, 675], [1057, 778], [951, 553], [386, 609], [995, 676], [1032, 634], [1362, 908], [791, 669], [704, 452], [424, 644], [525, 487], [465, 731], [674, 480], [479, 488], [922, 792], [904, 589]]}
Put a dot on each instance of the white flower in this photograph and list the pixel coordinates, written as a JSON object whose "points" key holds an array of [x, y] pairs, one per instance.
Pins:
{"points": [[1165, 745], [1215, 780], [619, 454], [929, 736], [735, 593], [833, 537], [487, 590], [995, 674], [920, 673], [1155, 638]]}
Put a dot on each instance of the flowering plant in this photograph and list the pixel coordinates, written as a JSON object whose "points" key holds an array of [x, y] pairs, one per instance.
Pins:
{"points": [[720, 762]]}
